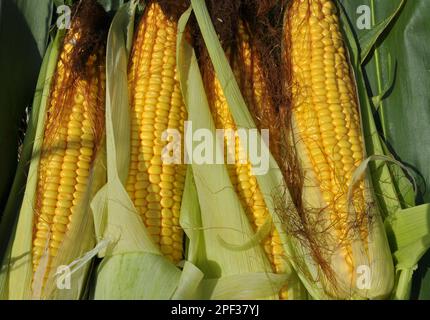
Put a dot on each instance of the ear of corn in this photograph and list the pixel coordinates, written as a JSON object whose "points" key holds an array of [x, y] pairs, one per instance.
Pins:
{"points": [[72, 136], [346, 233], [156, 188], [226, 217], [138, 211], [64, 174]]}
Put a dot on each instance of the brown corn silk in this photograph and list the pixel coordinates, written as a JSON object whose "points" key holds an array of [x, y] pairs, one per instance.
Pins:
{"points": [[327, 135], [156, 188], [74, 130]]}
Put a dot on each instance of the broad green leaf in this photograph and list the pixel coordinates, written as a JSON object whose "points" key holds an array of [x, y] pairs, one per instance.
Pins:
{"points": [[405, 113], [369, 39], [376, 100], [383, 183]]}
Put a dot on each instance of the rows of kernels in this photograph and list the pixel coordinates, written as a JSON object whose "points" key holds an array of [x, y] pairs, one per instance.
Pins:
{"points": [[325, 105], [66, 160], [157, 105], [49, 182], [42, 228], [50, 164], [251, 77], [246, 185]]}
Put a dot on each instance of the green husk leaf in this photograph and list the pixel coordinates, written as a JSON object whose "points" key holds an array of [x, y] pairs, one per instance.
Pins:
{"points": [[114, 212], [404, 184], [191, 220], [189, 283], [115, 215], [408, 225], [9, 217], [409, 232], [18, 264], [136, 276], [257, 239], [246, 286]]}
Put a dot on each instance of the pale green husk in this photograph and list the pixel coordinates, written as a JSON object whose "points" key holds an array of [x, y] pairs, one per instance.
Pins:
{"points": [[9, 219]]}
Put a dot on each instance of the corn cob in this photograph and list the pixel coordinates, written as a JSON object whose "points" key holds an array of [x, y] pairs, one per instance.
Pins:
{"points": [[328, 135], [243, 181], [156, 105], [73, 134], [326, 109]]}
